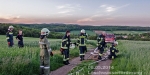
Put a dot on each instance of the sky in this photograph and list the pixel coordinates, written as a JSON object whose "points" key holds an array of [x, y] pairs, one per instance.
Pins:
{"points": [[83, 12]]}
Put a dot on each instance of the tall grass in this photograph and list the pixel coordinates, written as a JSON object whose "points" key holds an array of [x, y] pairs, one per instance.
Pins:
{"points": [[133, 57], [25, 61]]}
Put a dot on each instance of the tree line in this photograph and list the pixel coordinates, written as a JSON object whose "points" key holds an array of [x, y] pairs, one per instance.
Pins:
{"points": [[33, 31], [63, 27]]}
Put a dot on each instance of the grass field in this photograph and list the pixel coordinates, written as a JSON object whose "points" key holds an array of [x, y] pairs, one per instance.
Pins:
{"points": [[78, 32], [133, 57], [127, 32], [25, 61]]}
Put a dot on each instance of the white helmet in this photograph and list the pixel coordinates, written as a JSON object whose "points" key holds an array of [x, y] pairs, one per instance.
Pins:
{"points": [[11, 27], [82, 31], [45, 31]]}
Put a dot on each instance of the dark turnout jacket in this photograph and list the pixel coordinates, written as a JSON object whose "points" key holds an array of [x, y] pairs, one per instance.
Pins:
{"points": [[9, 36], [81, 39], [101, 40], [65, 42]]}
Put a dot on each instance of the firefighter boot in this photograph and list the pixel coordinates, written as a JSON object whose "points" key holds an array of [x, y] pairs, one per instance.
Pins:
{"points": [[99, 58], [81, 58], [67, 62]]}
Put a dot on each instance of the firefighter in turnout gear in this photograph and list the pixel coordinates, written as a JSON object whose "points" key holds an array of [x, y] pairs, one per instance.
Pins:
{"points": [[9, 36], [113, 50], [65, 45], [82, 45], [45, 52], [101, 44]]}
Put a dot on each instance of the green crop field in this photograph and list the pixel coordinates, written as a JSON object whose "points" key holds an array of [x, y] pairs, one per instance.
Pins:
{"points": [[133, 57], [25, 61], [78, 32], [127, 32]]}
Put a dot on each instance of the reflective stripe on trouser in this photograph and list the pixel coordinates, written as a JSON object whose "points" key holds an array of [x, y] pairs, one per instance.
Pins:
{"points": [[65, 54], [113, 56], [44, 62], [82, 51]]}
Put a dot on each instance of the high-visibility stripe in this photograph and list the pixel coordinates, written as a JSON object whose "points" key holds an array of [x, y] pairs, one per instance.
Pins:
{"points": [[46, 67], [10, 33], [64, 59], [100, 54], [67, 58], [82, 44], [82, 54], [113, 51], [82, 37], [64, 47], [41, 66], [64, 40], [112, 57]]}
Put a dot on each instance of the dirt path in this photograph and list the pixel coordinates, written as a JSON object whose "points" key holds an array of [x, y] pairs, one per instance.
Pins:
{"points": [[103, 66], [65, 69]]}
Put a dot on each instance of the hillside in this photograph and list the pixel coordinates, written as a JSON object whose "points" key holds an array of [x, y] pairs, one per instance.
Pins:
{"points": [[64, 27]]}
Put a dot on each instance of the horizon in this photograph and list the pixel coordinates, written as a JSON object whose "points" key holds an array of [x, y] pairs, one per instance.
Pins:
{"points": [[89, 12]]}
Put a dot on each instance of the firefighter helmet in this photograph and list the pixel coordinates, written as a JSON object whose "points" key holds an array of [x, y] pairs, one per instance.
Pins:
{"points": [[82, 31], [11, 27], [45, 31]]}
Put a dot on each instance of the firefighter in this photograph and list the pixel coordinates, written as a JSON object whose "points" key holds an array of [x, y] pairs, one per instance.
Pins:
{"points": [[113, 50], [9, 36], [82, 45], [19, 37], [45, 52], [65, 45], [101, 44]]}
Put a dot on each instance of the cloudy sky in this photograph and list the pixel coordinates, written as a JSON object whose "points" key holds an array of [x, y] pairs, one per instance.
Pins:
{"points": [[84, 12]]}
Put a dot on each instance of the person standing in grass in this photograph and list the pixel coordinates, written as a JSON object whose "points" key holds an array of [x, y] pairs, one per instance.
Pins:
{"points": [[19, 37], [9, 36], [45, 52], [65, 45], [82, 44]]}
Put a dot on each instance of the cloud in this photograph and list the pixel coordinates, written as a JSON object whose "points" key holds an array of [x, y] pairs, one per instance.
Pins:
{"points": [[9, 16], [103, 5], [64, 6], [85, 20], [103, 15], [110, 9], [68, 8]]}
